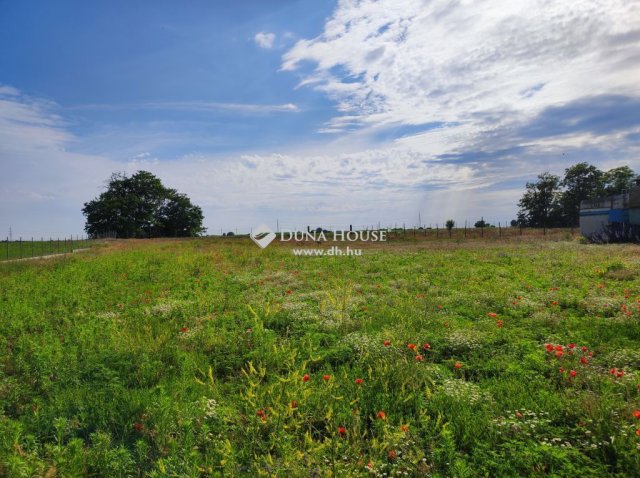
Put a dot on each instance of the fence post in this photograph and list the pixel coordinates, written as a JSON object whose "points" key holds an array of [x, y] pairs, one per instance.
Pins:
{"points": [[20, 256], [499, 230], [32, 247], [7, 247]]}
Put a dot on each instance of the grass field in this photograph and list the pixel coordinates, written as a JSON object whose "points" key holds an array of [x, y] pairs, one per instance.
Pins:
{"points": [[212, 357]]}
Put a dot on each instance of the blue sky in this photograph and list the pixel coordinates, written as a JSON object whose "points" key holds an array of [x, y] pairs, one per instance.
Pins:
{"points": [[308, 112]]}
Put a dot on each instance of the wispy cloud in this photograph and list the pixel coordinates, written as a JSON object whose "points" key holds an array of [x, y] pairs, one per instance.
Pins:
{"points": [[265, 39], [243, 108]]}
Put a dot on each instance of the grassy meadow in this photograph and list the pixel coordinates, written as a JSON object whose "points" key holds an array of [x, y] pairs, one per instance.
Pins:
{"points": [[212, 357]]}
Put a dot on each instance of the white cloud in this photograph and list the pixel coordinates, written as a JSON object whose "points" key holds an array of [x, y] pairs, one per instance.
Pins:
{"points": [[413, 62], [265, 39], [242, 108]]}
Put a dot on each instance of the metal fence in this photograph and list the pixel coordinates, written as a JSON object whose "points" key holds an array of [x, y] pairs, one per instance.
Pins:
{"points": [[33, 247]]}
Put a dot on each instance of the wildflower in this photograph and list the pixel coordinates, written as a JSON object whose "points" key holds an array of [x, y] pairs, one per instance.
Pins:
{"points": [[584, 349], [294, 404], [554, 303], [426, 346], [572, 373], [326, 377], [458, 365], [386, 343], [500, 324], [549, 347], [370, 465], [638, 432], [559, 354], [519, 415], [419, 358], [359, 381], [342, 431], [620, 374], [493, 315], [381, 415], [289, 292], [637, 414], [559, 348], [583, 360], [411, 346], [613, 371], [305, 377], [260, 413], [183, 330], [137, 426], [439, 306], [404, 428], [572, 345], [392, 455]]}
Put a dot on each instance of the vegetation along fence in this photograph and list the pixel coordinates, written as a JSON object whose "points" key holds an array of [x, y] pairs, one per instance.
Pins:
{"points": [[27, 248]]}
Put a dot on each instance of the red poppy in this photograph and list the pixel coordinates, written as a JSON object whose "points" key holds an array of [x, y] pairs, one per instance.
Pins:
{"points": [[419, 358], [404, 428], [386, 343], [559, 348], [294, 404], [620, 374], [411, 346], [342, 431], [426, 346], [638, 432], [572, 345], [493, 315], [458, 365], [500, 324], [392, 455], [183, 330], [549, 347], [260, 413], [519, 415], [583, 360], [637, 414], [613, 371], [305, 377], [359, 381], [381, 415], [554, 303], [439, 306], [584, 349], [573, 373], [137, 426], [559, 354], [561, 370], [326, 377], [289, 291]]}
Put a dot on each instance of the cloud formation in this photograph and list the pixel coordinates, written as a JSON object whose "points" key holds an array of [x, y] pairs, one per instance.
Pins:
{"points": [[413, 62], [265, 39]]}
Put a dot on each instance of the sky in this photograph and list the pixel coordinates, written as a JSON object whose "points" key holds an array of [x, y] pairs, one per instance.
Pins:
{"points": [[307, 112]]}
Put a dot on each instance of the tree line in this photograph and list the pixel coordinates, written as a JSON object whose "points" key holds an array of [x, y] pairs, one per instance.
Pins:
{"points": [[551, 201]]}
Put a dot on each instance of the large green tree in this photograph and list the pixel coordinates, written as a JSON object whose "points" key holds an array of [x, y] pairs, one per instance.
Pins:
{"points": [[617, 180], [540, 204], [141, 206], [581, 181]]}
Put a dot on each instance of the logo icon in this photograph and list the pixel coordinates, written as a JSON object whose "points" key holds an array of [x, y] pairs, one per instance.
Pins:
{"points": [[262, 235]]}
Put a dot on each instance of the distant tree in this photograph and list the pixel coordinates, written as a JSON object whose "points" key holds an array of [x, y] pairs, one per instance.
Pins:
{"points": [[581, 181], [617, 180], [540, 204], [230, 234], [140, 206], [481, 223], [450, 224], [514, 223]]}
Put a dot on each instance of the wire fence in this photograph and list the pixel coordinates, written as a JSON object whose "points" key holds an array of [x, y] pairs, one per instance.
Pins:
{"points": [[32, 247]]}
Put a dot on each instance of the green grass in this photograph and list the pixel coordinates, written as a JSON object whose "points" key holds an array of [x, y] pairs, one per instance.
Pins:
{"points": [[187, 358], [27, 248]]}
